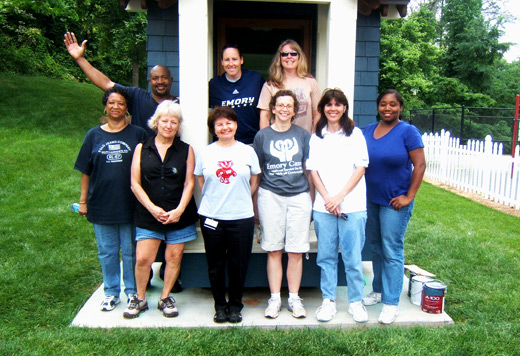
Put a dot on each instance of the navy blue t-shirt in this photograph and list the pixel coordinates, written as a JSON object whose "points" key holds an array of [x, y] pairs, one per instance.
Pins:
{"points": [[106, 157], [389, 173], [242, 96], [142, 106]]}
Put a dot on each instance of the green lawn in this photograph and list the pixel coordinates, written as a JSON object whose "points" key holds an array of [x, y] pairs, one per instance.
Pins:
{"points": [[49, 266]]}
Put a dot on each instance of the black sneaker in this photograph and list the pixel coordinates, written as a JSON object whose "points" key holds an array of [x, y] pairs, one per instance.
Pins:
{"points": [[221, 316], [235, 316]]}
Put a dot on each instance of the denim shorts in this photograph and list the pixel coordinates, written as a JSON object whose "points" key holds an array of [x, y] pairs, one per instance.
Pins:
{"points": [[186, 234]]}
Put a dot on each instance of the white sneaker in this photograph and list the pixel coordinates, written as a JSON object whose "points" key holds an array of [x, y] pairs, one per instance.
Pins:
{"points": [[296, 307], [372, 298], [135, 307], [388, 314], [273, 308], [326, 311], [358, 311], [109, 303], [130, 297], [167, 306]]}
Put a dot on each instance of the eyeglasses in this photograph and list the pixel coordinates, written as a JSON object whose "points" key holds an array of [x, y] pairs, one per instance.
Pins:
{"points": [[287, 107], [286, 54]]}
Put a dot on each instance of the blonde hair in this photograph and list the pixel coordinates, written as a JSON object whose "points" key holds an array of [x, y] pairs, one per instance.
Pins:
{"points": [[166, 107], [276, 75]]}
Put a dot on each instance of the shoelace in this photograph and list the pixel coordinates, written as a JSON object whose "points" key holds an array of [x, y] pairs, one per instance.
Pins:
{"points": [[134, 303], [108, 299], [271, 300], [323, 306], [169, 302], [297, 302]]}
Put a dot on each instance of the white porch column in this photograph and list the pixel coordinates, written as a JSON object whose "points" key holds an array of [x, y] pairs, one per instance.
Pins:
{"points": [[337, 57], [193, 70]]}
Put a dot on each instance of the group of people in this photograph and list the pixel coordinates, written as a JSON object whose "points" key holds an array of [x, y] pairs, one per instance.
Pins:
{"points": [[283, 155]]}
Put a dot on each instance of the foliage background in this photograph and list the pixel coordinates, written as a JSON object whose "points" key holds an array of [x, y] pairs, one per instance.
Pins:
{"points": [[31, 33], [448, 53], [48, 262], [444, 53]]}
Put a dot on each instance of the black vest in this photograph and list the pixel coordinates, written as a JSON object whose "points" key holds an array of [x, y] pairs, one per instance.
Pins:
{"points": [[164, 183]]}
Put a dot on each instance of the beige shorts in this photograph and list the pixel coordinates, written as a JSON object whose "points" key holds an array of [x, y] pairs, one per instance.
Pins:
{"points": [[284, 221]]}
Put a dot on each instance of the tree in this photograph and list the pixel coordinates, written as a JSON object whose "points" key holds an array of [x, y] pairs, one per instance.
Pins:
{"points": [[410, 57], [472, 43], [28, 30], [31, 33], [506, 83], [445, 53], [117, 40]]}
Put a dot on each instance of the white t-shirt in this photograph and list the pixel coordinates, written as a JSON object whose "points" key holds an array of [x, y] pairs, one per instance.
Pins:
{"points": [[307, 92], [335, 158], [226, 194]]}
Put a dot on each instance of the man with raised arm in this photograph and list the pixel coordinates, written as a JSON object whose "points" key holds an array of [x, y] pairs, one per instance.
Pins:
{"points": [[142, 103]]}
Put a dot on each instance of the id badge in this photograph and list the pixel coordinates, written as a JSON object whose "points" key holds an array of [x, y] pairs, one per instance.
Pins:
{"points": [[210, 223]]}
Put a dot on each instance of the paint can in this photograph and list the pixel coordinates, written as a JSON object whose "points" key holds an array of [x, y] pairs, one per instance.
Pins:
{"points": [[417, 288], [410, 277], [433, 297]]}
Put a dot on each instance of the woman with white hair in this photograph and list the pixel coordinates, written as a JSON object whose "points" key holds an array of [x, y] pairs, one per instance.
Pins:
{"points": [[163, 182]]}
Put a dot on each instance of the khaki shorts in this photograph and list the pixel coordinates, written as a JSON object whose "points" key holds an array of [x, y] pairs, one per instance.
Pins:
{"points": [[284, 221]]}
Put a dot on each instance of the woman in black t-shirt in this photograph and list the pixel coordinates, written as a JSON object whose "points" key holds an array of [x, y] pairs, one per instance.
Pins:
{"points": [[106, 200]]}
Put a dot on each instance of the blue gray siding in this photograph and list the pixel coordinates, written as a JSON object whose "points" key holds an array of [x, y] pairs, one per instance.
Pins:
{"points": [[367, 68], [163, 40], [163, 48]]}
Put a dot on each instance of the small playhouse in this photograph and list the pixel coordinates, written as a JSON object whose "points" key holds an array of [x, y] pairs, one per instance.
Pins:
{"points": [[341, 39]]}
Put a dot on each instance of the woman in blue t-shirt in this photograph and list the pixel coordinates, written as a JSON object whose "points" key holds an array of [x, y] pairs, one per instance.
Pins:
{"points": [[106, 199], [393, 178]]}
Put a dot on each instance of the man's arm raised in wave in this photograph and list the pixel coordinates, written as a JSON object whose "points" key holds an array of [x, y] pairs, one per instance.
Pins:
{"points": [[78, 53]]}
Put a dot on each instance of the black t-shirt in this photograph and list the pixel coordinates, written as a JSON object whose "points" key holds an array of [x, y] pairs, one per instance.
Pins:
{"points": [[163, 182], [106, 157]]}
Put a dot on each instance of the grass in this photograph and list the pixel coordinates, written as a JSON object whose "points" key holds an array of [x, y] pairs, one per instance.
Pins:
{"points": [[49, 266]]}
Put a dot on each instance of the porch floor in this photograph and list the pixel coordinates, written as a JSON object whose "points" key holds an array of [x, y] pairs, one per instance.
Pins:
{"points": [[196, 310]]}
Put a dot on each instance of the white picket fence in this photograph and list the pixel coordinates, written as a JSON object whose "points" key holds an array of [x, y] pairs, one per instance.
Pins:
{"points": [[478, 167]]}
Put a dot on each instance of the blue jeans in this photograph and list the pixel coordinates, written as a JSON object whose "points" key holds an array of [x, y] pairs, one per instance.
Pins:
{"points": [[333, 233], [385, 230], [110, 238]]}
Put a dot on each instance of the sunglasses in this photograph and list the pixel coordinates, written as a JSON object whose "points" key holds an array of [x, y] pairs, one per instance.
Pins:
{"points": [[286, 54]]}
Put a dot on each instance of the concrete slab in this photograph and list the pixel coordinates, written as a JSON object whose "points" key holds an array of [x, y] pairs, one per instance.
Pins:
{"points": [[196, 310]]}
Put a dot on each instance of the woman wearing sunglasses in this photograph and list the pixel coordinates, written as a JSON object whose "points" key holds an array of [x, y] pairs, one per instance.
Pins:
{"points": [[289, 70]]}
